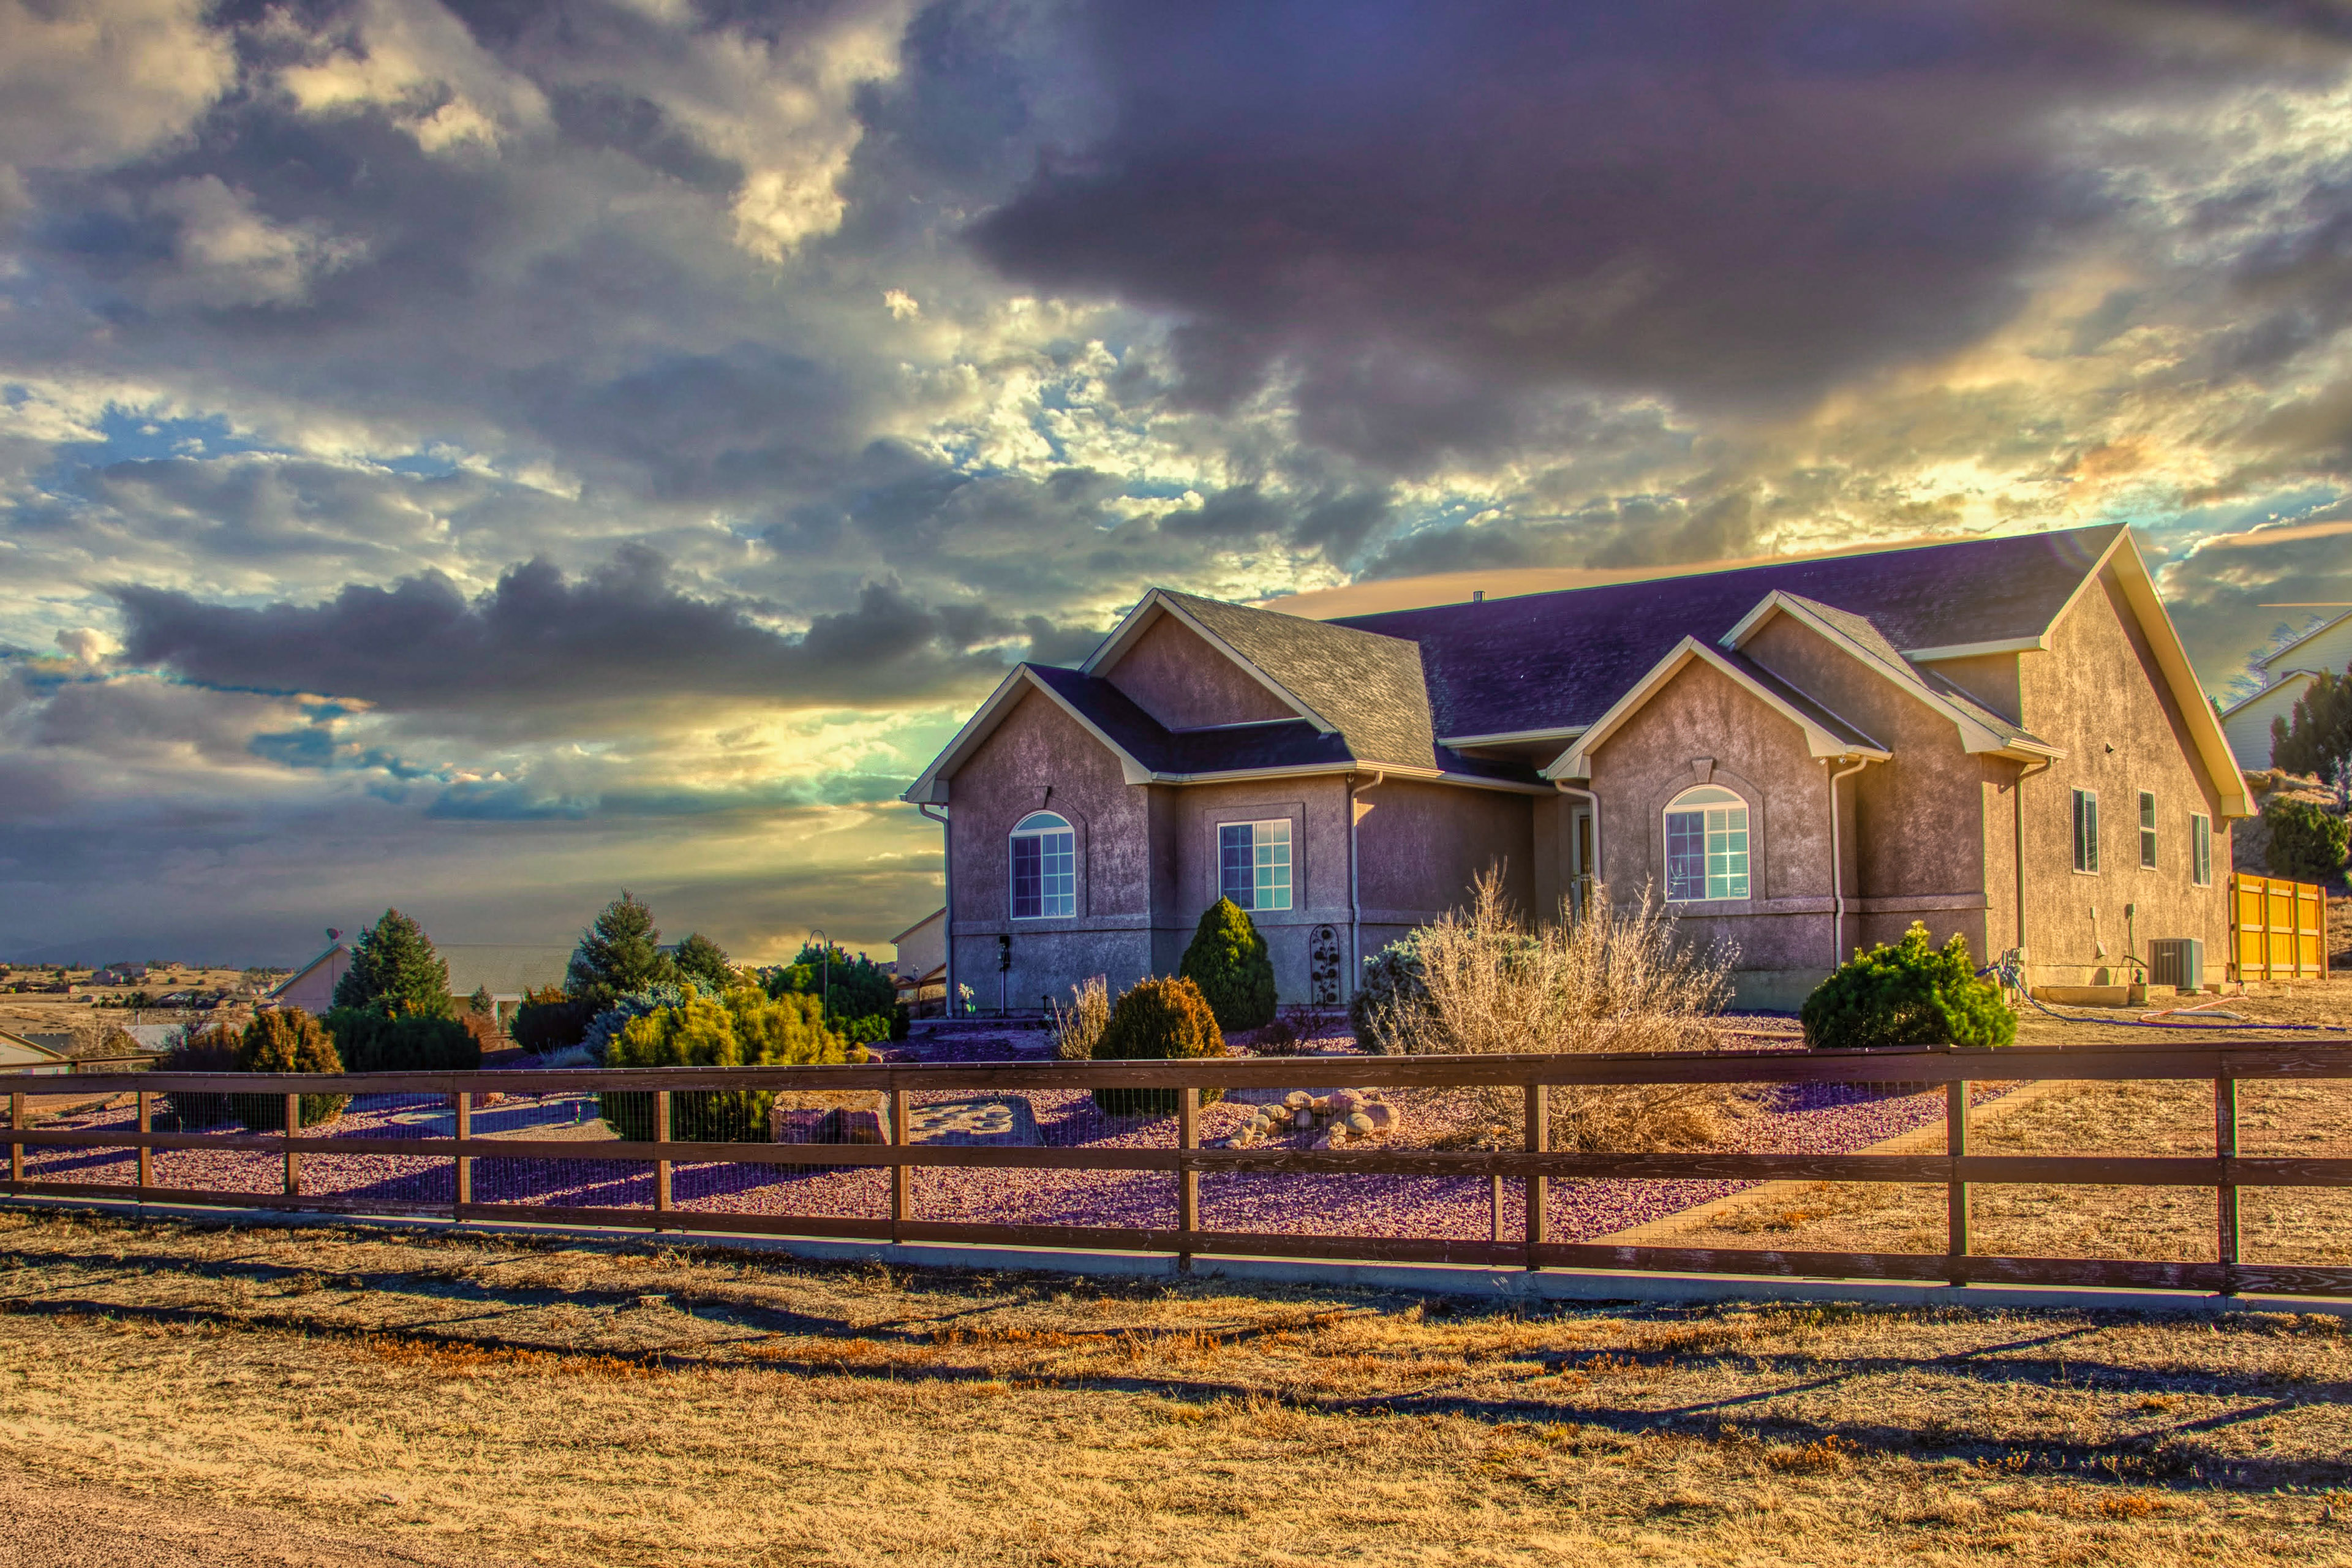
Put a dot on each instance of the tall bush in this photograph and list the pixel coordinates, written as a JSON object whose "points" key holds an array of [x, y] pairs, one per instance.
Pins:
{"points": [[1076, 1031], [548, 1021], [743, 1029], [1227, 960], [1391, 987], [860, 995], [369, 1041], [1476, 981], [1158, 1020], [2307, 842], [1909, 993], [2315, 738], [394, 969], [287, 1040], [210, 1049], [618, 954]]}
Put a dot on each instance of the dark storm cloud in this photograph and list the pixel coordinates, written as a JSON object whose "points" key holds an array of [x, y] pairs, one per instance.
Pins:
{"points": [[1426, 209], [2224, 594], [624, 634]]}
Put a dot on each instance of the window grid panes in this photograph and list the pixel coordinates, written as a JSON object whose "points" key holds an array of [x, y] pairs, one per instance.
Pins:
{"points": [[1254, 864], [2086, 831], [2200, 849], [1044, 869], [1706, 847], [2148, 830]]}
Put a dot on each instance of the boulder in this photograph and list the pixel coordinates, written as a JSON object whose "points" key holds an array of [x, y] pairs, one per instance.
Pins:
{"points": [[1297, 1097], [1383, 1116], [1360, 1124]]}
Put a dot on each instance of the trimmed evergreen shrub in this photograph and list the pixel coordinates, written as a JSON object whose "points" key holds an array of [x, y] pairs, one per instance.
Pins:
{"points": [[197, 1050], [1911, 993], [548, 1021], [704, 961], [286, 1040], [1227, 960], [369, 1041], [744, 1028], [2307, 841], [1159, 1020], [1393, 980], [395, 969]]}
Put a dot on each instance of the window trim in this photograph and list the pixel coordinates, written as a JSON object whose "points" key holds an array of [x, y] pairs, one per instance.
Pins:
{"points": [[1031, 827], [1718, 797], [2200, 849], [1289, 863], [2085, 846], [2148, 830]]}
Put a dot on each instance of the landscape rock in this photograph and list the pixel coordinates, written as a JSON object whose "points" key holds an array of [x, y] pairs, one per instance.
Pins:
{"points": [[1361, 1125], [1385, 1117]]}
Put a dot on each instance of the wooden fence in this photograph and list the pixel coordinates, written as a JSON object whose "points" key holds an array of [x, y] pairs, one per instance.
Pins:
{"points": [[2278, 931], [2225, 1063]]}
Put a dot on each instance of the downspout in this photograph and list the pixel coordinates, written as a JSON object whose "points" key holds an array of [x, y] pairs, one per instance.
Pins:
{"points": [[1355, 891], [1837, 867], [947, 890], [2017, 851], [1591, 873]]}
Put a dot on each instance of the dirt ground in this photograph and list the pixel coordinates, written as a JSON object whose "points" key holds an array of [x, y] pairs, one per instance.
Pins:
{"points": [[459, 1398]]}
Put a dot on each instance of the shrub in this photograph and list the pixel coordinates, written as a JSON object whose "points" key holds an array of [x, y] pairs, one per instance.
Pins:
{"points": [[548, 1021], [369, 1041], [1613, 979], [852, 985], [1391, 987], [1911, 993], [2307, 841], [1227, 960], [1159, 1020], [197, 1050], [286, 1040], [743, 1029], [1076, 1031], [394, 969], [704, 961]]}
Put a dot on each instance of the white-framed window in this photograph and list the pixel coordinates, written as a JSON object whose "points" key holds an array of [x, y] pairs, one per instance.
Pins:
{"points": [[1044, 868], [2200, 848], [2086, 831], [2147, 831], [1253, 863], [1706, 845]]}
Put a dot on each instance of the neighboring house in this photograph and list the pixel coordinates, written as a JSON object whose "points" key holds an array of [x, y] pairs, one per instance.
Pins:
{"points": [[921, 967], [311, 988], [2002, 738], [19, 1055], [507, 974], [2286, 674]]}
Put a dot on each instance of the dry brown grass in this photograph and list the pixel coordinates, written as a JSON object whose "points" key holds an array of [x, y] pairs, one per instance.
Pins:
{"points": [[629, 1405]]}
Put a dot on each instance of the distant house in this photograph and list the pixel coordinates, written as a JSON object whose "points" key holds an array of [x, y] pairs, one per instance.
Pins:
{"points": [[311, 988], [19, 1055], [508, 972], [2286, 674], [921, 969], [2002, 738]]}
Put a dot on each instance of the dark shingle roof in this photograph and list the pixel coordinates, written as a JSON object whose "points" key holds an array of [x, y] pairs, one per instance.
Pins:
{"points": [[1557, 660], [1367, 686], [1845, 732]]}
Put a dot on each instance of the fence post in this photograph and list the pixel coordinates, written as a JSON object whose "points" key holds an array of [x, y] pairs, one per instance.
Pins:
{"points": [[2225, 1147], [146, 1156], [1955, 1193], [1539, 1141], [661, 1135], [902, 1177], [465, 1130], [1495, 1207], [15, 1124], [1188, 1176], [293, 1161]]}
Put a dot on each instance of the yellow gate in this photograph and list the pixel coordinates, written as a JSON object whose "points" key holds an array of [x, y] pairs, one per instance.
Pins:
{"points": [[2278, 931]]}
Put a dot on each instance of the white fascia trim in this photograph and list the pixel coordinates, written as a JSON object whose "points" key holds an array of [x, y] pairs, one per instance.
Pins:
{"points": [[2301, 678], [1978, 649], [1513, 737], [1139, 618], [2322, 629], [1575, 762], [2172, 658], [1974, 735], [925, 789]]}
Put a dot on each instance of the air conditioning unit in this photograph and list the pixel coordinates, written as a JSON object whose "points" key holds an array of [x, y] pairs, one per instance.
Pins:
{"points": [[2176, 961]]}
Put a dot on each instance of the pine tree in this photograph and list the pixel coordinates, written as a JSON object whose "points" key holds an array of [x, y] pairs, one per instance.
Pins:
{"points": [[1228, 962], [394, 969], [618, 955], [704, 961], [2319, 741]]}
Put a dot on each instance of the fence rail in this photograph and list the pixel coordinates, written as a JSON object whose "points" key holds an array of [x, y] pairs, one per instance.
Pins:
{"points": [[2224, 1063]]}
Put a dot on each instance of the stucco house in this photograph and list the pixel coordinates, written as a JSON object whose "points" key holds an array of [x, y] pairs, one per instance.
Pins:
{"points": [[2002, 738], [311, 988], [2286, 673]]}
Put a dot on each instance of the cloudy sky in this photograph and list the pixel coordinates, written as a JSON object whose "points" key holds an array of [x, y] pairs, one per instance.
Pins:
{"points": [[473, 456]]}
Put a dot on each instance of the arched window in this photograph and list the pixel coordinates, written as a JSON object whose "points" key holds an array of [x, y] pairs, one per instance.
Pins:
{"points": [[1044, 868], [1706, 845]]}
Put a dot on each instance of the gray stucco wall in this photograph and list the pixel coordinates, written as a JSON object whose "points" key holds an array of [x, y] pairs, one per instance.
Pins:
{"points": [[1170, 673]]}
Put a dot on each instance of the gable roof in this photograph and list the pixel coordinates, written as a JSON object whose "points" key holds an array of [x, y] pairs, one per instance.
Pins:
{"points": [[1826, 734], [1546, 661], [280, 989], [2321, 630]]}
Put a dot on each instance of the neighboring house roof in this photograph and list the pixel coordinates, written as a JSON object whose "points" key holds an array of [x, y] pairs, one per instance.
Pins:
{"points": [[2321, 630], [501, 970], [17, 1051], [933, 918], [287, 984], [2247, 721]]}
